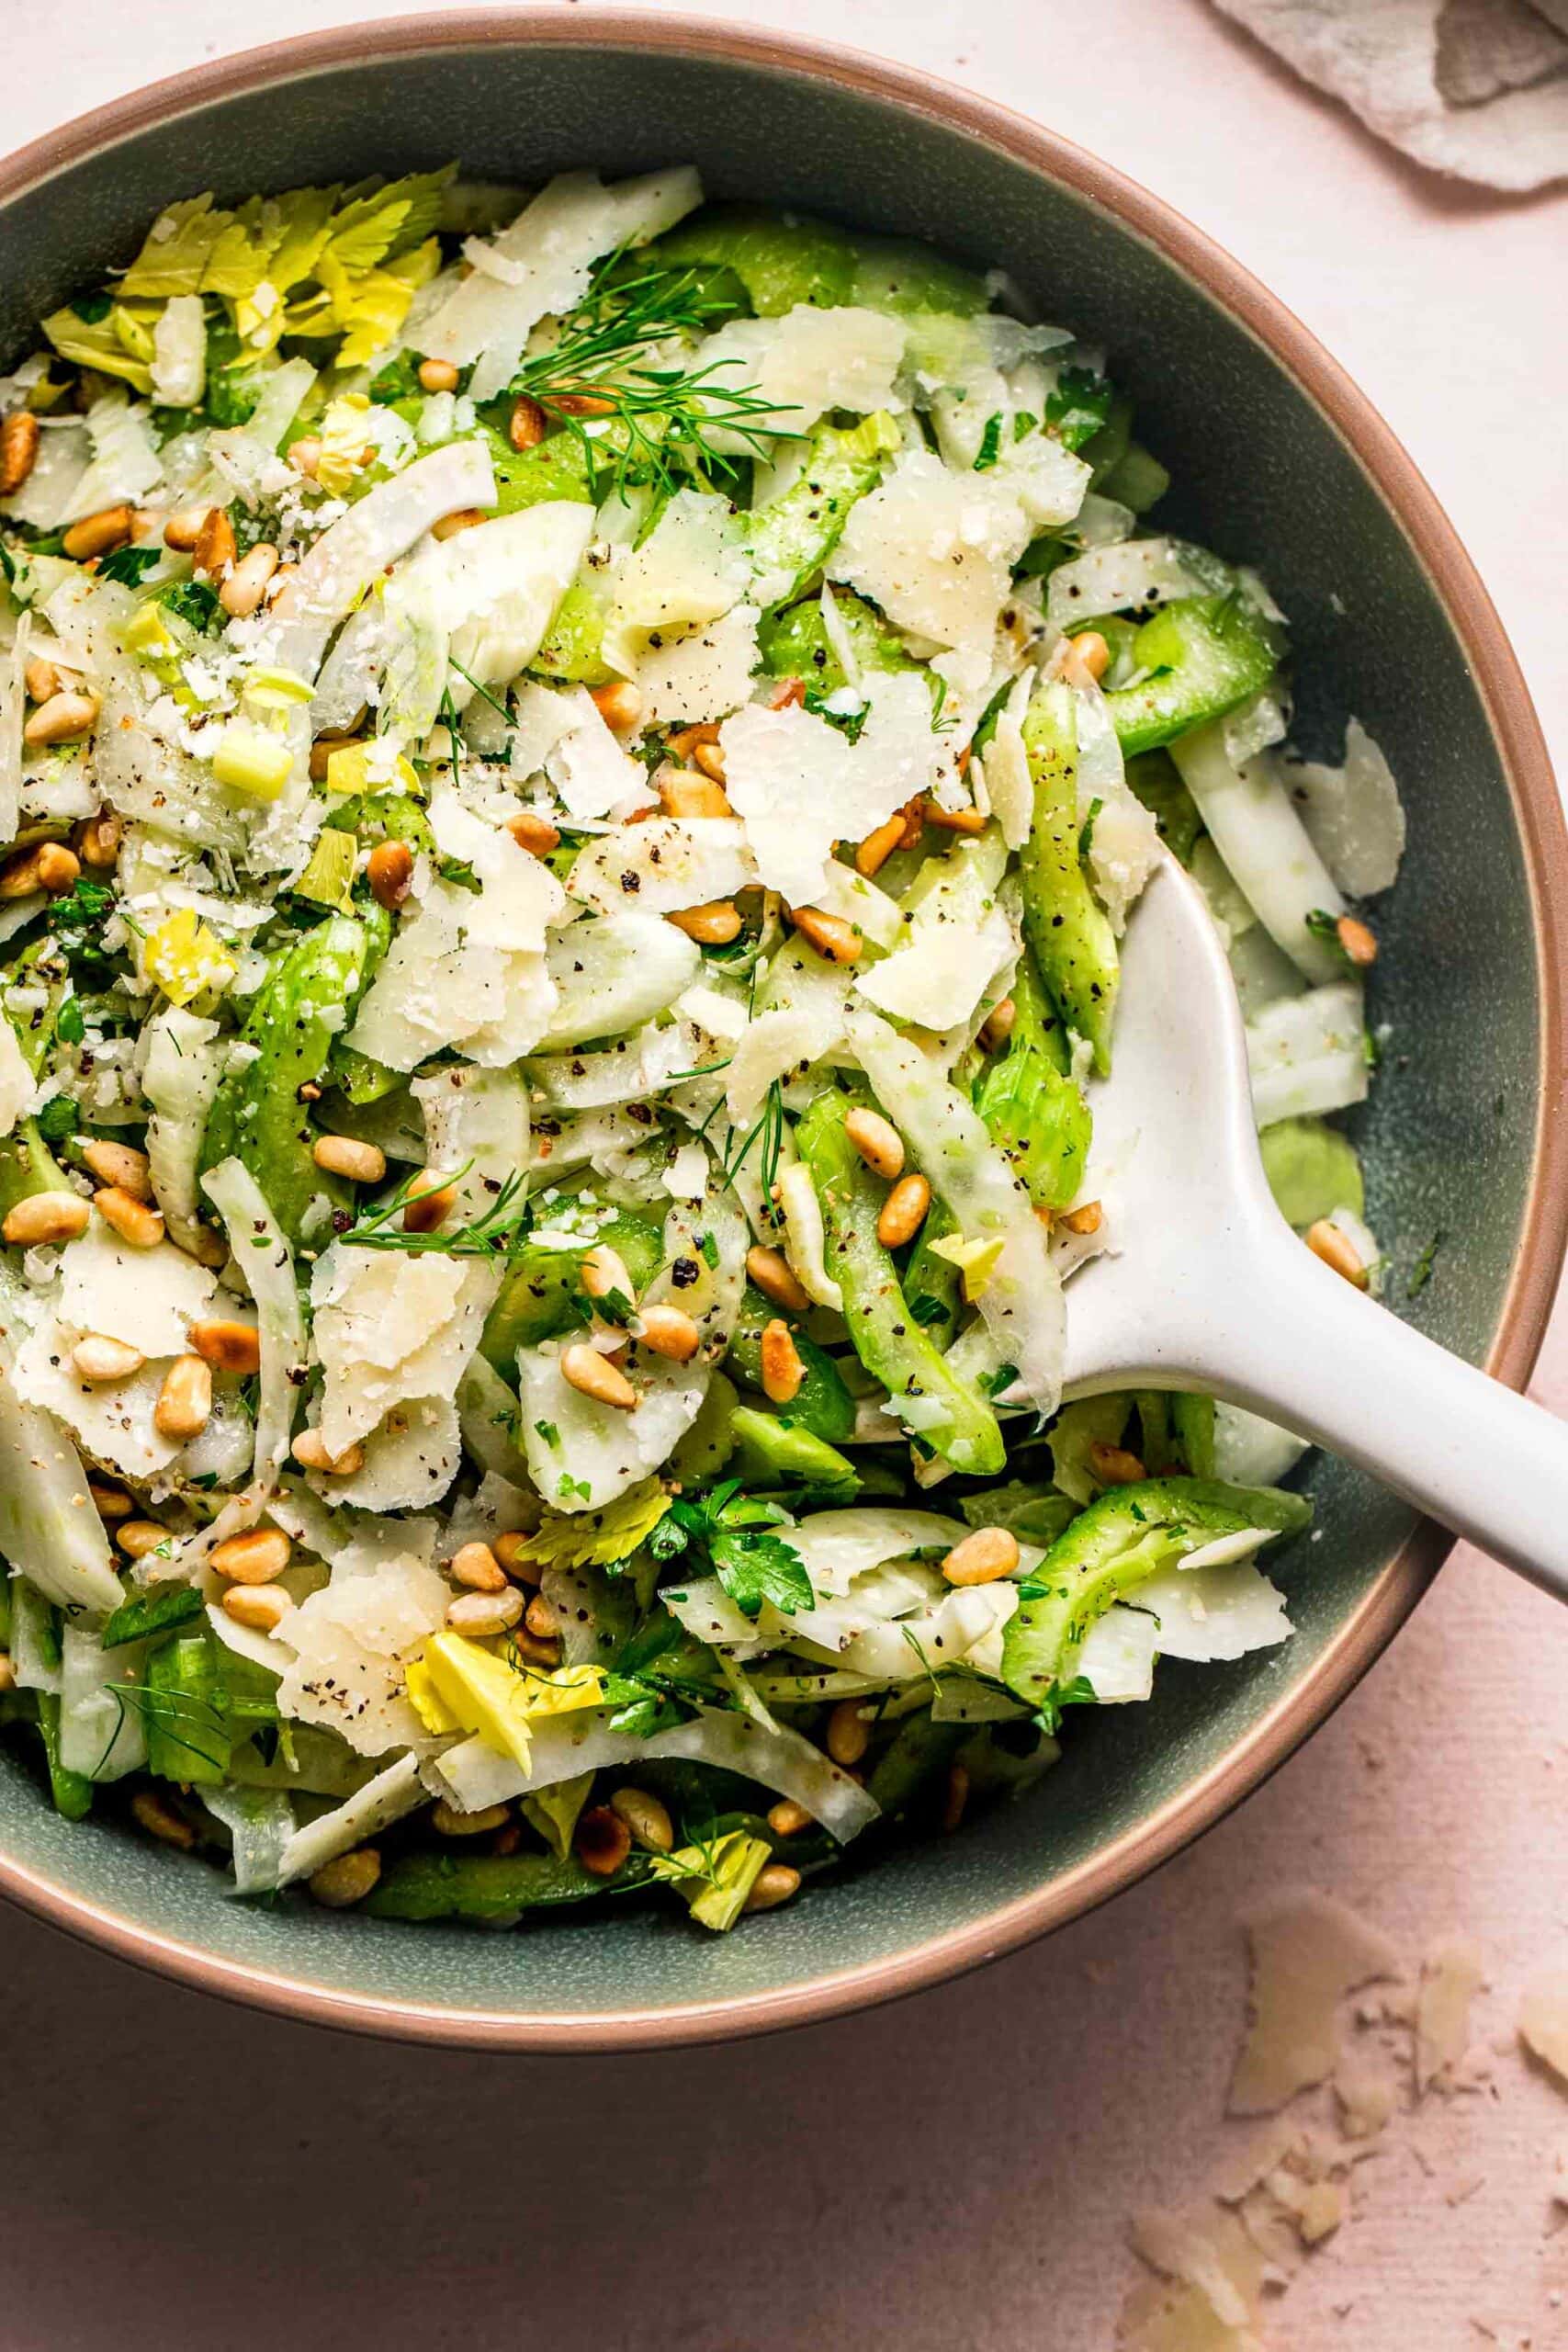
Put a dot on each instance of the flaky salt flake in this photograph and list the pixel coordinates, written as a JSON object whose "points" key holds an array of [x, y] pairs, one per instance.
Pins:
{"points": [[1308, 1952]]}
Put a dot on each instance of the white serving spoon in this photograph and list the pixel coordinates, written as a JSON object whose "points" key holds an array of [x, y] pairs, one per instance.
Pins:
{"points": [[1213, 1290]]}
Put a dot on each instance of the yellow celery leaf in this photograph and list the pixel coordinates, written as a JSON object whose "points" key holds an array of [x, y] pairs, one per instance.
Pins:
{"points": [[184, 958], [176, 250], [495, 1701], [716, 1878], [599, 1538], [977, 1261]]}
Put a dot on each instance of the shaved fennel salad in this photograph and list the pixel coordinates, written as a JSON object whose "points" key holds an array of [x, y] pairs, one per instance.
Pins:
{"points": [[572, 764]]}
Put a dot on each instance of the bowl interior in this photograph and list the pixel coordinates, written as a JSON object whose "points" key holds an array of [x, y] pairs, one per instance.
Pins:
{"points": [[1261, 474]]}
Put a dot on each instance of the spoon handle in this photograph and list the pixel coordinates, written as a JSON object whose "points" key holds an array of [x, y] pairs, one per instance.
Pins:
{"points": [[1322, 1358]]}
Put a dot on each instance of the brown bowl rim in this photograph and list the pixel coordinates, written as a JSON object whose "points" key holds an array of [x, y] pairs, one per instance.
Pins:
{"points": [[1526, 763]]}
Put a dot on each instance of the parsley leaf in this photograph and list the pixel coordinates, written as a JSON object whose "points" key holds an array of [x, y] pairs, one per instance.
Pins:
{"points": [[735, 1532], [991, 448], [1078, 408], [129, 566]]}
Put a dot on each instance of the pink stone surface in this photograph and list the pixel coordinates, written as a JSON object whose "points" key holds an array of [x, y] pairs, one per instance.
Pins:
{"points": [[953, 2175]]}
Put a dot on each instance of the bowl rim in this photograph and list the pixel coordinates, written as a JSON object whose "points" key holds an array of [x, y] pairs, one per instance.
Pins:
{"points": [[1544, 839]]}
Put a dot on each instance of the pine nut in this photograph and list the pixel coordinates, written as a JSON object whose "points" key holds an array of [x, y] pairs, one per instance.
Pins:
{"points": [[998, 1025], [389, 869], [185, 1401], [507, 1840], [262, 1607], [255, 1557], [982, 1557], [448, 1821], [603, 1841], [438, 376], [43, 679], [19, 875], [710, 757], [133, 1220], [1359, 944], [96, 841], [1324, 1239], [19, 437], [309, 1449], [787, 1819], [582, 404], [280, 580], [184, 528], [684, 794], [783, 1371], [955, 820], [1113, 1465], [592, 1374], [532, 1651], [108, 1502], [462, 518], [541, 1619], [158, 1817], [323, 747], [878, 847], [228, 1345], [669, 1332], [64, 718], [348, 1879], [955, 1798], [215, 549], [119, 1164], [431, 1201], [684, 741], [604, 1270], [848, 1734], [769, 1269], [57, 868], [1091, 652], [243, 590], [878, 1142], [95, 534], [481, 1614], [829, 934], [137, 1537], [713, 925], [619, 706], [1087, 1219], [305, 455], [476, 1565], [533, 833], [362, 1163], [7, 1672], [44, 1217], [526, 425], [98, 1359], [774, 1884], [647, 1820], [510, 1550], [903, 1212]]}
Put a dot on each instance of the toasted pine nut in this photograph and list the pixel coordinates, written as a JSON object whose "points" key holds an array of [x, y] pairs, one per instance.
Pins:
{"points": [[582, 404], [19, 875], [713, 925], [684, 741], [135, 1221], [955, 1798], [878, 1142], [510, 1550], [787, 1819], [1113, 1465], [462, 518], [955, 820], [57, 868], [982, 1557], [184, 528], [645, 1817], [829, 934], [526, 425], [448, 1821], [242, 591], [310, 1451], [604, 1270], [1359, 944], [619, 706], [848, 1734], [214, 549], [603, 1841], [534, 1652], [533, 833], [1091, 653], [481, 1614], [262, 1607], [94, 534], [389, 869], [96, 841], [8, 1671], [476, 1565], [305, 455], [1087, 1219], [584, 1369], [903, 1212], [431, 1201], [255, 1557], [98, 1359], [119, 1164], [541, 1619], [772, 1272], [998, 1025], [45, 1216], [878, 847], [137, 1537], [226, 1344], [185, 1401], [683, 793], [914, 815], [19, 437], [64, 719], [348, 1879], [42, 679], [774, 1884], [362, 1163], [438, 376], [108, 1502], [1325, 1240], [669, 1332], [323, 747], [782, 1370], [710, 757], [157, 1816]]}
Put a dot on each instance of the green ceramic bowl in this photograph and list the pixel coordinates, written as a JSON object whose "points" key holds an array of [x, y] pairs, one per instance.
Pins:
{"points": [[1278, 462]]}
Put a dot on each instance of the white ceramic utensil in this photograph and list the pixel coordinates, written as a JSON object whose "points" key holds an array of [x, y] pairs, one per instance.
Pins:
{"points": [[1213, 1290]]}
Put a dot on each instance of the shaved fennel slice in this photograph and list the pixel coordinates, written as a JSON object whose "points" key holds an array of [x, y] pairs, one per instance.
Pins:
{"points": [[380, 1802], [1131, 575], [13, 713], [100, 1737], [267, 1262], [1307, 1054], [49, 1529], [1353, 815], [182, 1072], [1265, 844], [666, 863], [805, 1239], [1123, 840], [612, 974], [260, 1823]]}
